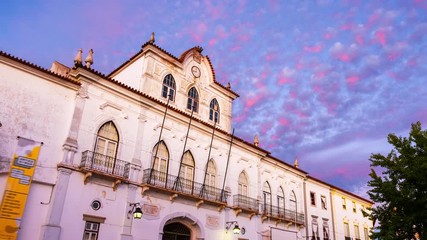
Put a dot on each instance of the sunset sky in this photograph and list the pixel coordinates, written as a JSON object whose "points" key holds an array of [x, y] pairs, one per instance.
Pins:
{"points": [[321, 80]]}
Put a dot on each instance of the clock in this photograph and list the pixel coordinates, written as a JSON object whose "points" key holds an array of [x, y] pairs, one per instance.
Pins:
{"points": [[195, 71]]}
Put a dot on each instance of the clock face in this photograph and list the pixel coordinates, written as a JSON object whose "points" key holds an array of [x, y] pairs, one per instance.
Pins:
{"points": [[195, 71]]}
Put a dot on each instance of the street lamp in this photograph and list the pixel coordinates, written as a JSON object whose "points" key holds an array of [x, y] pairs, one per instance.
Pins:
{"points": [[135, 210], [236, 228]]}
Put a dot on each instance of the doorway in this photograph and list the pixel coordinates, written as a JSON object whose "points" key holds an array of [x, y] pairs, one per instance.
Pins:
{"points": [[176, 231]]}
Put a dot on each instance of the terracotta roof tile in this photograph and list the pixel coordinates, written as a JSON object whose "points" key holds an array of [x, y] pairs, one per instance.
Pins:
{"points": [[20, 60]]}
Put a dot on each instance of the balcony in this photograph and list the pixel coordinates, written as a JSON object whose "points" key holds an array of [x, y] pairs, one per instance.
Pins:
{"points": [[282, 214], [245, 203], [184, 186], [106, 166]]}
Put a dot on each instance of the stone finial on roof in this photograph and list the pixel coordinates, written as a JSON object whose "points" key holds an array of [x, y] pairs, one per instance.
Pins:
{"points": [[89, 59], [152, 38], [228, 85], [296, 165], [256, 140], [78, 58], [199, 49]]}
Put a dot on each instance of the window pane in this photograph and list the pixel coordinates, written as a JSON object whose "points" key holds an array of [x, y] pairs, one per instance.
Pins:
{"points": [[91, 231], [100, 146], [168, 87], [111, 151], [86, 236], [196, 107], [165, 92], [172, 94], [189, 103]]}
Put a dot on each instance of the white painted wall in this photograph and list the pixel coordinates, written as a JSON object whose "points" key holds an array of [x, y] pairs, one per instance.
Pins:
{"points": [[41, 107]]}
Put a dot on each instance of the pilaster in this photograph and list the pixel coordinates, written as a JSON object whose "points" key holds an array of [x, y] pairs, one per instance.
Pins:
{"points": [[128, 220], [52, 229]]}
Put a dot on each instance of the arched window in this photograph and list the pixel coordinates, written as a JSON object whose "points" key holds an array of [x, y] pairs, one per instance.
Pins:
{"points": [[210, 180], [187, 172], [266, 193], [281, 202], [193, 99], [214, 111], [107, 141], [292, 202], [161, 161], [169, 87], [243, 185], [211, 174]]}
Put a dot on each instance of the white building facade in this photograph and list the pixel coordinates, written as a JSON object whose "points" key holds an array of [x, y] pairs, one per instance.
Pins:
{"points": [[154, 135]]}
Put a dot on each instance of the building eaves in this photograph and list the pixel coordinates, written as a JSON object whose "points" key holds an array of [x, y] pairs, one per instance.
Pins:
{"points": [[32, 65], [340, 189], [287, 164]]}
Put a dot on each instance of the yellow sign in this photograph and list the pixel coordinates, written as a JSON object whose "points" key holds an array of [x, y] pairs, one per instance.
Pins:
{"points": [[17, 187]]}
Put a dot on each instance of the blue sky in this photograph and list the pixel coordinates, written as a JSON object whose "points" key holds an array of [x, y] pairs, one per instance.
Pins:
{"points": [[321, 80]]}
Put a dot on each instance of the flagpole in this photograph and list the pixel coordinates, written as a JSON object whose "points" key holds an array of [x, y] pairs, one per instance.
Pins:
{"points": [[226, 167], [160, 137], [178, 180], [202, 191]]}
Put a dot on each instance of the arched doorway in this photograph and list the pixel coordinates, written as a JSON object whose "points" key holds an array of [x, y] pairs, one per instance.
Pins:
{"points": [[176, 231]]}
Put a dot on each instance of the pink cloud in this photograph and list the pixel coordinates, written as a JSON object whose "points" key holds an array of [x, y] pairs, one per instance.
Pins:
{"points": [[313, 49], [293, 95], [393, 55], [329, 33], [412, 62], [284, 122], [344, 57], [345, 53], [212, 42], [250, 102], [283, 80], [331, 106], [342, 171], [359, 39], [221, 32], [214, 12], [347, 26], [301, 114], [197, 35], [240, 118], [321, 74], [380, 36], [266, 126], [352, 80], [373, 19], [235, 48], [270, 56]]}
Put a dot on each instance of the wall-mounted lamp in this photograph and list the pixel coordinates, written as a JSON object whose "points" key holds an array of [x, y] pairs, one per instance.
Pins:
{"points": [[236, 229], [135, 210]]}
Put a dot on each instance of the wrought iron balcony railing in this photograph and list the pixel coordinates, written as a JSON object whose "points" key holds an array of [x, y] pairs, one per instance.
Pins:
{"points": [[245, 202], [189, 187], [105, 165], [282, 213]]}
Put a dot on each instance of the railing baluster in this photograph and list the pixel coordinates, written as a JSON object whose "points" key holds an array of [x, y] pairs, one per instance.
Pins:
{"points": [[105, 164], [190, 187]]}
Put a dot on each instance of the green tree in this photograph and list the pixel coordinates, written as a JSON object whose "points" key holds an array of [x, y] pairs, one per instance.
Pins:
{"points": [[400, 190]]}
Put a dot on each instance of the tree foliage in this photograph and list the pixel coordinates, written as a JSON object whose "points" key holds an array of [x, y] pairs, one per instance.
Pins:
{"points": [[400, 190]]}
